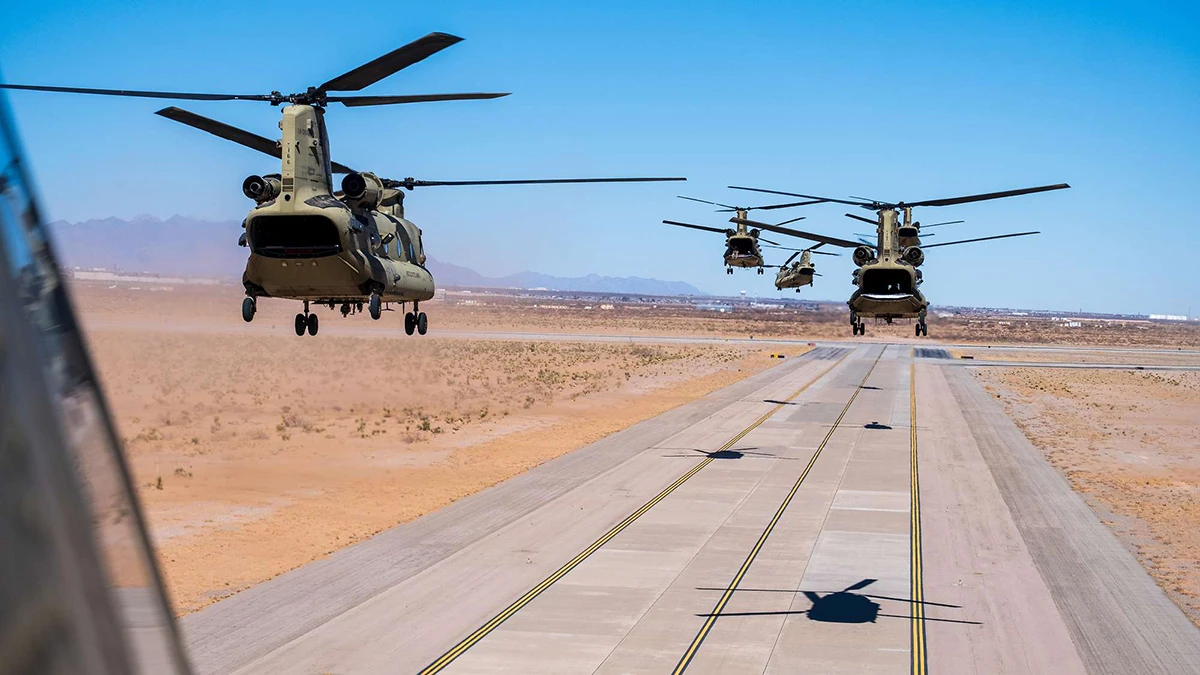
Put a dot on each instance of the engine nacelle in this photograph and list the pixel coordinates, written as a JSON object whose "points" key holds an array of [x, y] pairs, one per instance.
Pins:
{"points": [[364, 189], [863, 255], [754, 232], [914, 256], [261, 189]]}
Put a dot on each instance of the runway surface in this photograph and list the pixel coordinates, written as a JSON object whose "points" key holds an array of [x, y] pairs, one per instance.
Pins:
{"points": [[855, 510]]}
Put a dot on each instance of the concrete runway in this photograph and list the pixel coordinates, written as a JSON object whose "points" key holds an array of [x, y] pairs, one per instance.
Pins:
{"points": [[797, 521]]}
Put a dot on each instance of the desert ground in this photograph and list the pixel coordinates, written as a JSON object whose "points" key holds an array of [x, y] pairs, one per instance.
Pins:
{"points": [[1126, 440], [256, 451], [255, 454], [200, 308]]}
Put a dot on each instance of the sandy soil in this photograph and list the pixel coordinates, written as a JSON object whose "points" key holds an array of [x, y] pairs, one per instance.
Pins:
{"points": [[256, 454], [1179, 357], [219, 306], [1127, 442]]}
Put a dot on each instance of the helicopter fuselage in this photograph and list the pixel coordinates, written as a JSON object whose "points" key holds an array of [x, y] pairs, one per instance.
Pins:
{"points": [[308, 244], [888, 282], [741, 250]]}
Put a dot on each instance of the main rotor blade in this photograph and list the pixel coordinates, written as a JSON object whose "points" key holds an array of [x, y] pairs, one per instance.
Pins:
{"points": [[792, 220], [813, 249], [392, 62], [769, 207], [796, 194], [788, 205], [705, 201], [948, 222], [231, 133], [989, 195], [968, 241], [865, 220], [834, 241], [789, 260], [357, 101], [785, 248], [188, 96], [411, 183], [769, 241], [695, 227]]}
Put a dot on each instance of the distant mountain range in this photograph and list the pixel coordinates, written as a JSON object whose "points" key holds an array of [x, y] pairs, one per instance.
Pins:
{"points": [[182, 246]]}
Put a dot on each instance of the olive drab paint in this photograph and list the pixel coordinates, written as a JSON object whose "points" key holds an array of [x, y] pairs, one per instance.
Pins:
{"points": [[379, 254], [307, 241], [887, 279]]}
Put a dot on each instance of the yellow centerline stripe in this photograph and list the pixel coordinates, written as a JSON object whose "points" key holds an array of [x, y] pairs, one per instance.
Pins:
{"points": [[482, 632], [920, 665], [693, 648]]}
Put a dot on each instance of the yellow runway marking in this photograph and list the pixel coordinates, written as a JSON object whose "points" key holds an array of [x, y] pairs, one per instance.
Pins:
{"points": [[482, 632], [694, 647], [916, 567]]}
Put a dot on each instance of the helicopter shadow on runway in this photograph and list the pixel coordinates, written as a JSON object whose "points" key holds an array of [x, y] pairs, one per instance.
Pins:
{"points": [[842, 606], [730, 453]]}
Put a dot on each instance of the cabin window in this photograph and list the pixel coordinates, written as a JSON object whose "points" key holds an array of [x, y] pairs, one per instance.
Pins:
{"points": [[886, 281], [304, 236]]}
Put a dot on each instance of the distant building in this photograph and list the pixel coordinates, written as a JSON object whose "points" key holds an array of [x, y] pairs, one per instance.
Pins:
{"points": [[1168, 317]]}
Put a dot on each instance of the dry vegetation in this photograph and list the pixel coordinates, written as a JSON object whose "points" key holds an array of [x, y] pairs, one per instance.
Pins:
{"points": [[218, 305], [257, 451], [255, 454], [1127, 442]]}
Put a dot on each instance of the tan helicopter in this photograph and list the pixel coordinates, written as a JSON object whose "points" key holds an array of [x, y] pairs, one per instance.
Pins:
{"points": [[742, 247], [800, 273], [315, 245], [887, 276]]}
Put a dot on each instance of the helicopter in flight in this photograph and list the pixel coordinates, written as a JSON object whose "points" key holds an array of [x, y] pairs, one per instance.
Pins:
{"points": [[887, 275], [742, 248], [309, 242], [800, 273]]}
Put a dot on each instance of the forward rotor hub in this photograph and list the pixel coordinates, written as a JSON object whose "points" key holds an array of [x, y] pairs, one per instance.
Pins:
{"points": [[313, 96]]}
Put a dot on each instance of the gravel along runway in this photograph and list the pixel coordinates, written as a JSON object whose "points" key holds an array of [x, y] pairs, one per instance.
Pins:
{"points": [[853, 510]]}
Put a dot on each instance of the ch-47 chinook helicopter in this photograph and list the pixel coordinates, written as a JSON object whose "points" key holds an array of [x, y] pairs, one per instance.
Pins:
{"points": [[308, 242], [887, 276], [800, 273], [741, 245]]}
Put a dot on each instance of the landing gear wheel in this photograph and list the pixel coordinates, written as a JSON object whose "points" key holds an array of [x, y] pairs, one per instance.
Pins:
{"points": [[345, 309], [301, 324], [375, 306], [312, 324], [249, 307], [422, 323], [410, 323], [760, 270]]}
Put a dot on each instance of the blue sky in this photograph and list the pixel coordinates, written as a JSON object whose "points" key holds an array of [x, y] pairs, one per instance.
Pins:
{"points": [[885, 99]]}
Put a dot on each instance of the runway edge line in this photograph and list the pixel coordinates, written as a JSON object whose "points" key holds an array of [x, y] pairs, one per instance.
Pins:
{"points": [[694, 647], [459, 649]]}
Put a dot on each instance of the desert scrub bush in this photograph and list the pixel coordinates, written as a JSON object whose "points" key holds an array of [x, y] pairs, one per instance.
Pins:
{"points": [[292, 420]]}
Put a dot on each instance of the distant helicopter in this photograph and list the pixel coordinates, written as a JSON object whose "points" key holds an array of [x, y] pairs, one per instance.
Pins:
{"points": [[887, 276], [800, 273], [742, 245], [308, 242]]}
